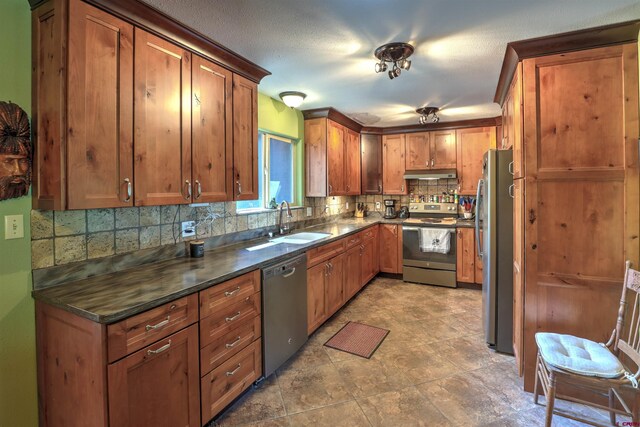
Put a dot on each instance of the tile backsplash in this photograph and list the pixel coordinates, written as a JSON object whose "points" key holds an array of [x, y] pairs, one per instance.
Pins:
{"points": [[417, 187], [65, 237]]}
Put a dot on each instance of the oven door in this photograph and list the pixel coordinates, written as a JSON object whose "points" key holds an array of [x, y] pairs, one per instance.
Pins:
{"points": [[412, 255]]}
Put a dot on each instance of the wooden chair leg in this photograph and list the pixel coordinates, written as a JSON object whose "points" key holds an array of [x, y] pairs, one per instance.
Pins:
{"points": [[535, 384], [551, 399], [612, 415]]}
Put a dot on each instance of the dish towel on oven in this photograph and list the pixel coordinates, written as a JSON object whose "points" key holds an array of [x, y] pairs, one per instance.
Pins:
{"points": [[436, 240]]}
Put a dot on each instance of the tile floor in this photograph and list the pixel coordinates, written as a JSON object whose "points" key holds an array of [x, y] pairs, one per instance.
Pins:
{"points": [[433, 369]]}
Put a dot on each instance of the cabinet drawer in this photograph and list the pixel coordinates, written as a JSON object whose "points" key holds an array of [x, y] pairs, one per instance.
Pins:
{"points": [[352, 241], [369, 233], [229, 292], [226, 382], [228, 318], [229, 344], [145, 328], [317, 255]]}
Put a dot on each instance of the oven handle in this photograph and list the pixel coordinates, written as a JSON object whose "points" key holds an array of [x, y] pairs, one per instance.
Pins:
{"points": [[477, 225], [404, 227]]}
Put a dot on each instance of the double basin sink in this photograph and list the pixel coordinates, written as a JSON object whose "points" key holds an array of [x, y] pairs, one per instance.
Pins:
{"points": [[294, 239]]}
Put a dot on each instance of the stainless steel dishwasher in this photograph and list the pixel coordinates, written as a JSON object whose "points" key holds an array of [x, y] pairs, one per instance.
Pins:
{"points": [[284, 311]]}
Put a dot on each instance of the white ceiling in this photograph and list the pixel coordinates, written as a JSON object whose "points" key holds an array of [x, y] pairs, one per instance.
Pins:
{"points": [[325, 47]]}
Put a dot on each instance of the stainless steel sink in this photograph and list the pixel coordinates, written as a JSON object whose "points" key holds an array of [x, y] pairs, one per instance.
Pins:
{"points": [[301, 238]]}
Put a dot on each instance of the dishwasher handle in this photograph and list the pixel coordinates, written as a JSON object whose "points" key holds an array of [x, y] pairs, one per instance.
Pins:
{"points": [[293, 270], [285, 269]]}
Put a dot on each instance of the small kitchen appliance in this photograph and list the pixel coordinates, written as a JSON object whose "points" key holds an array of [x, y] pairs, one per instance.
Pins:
{"points": [[389, 208]]}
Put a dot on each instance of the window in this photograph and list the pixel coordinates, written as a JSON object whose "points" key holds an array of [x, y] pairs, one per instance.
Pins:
{"points": [[277, 172]]}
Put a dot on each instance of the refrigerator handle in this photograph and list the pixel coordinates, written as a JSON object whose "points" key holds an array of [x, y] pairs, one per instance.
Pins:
{"points": [[478, 246]]}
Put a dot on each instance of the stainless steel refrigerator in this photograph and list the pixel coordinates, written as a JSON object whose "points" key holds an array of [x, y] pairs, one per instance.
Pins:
{"points": [[494, 216]]}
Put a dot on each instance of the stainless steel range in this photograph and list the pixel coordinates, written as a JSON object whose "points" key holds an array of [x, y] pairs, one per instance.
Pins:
{"points": [[429, 244]]}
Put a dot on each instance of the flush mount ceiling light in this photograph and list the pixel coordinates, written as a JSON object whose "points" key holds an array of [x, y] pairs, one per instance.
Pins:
{"points": [[428, 115], [396, 54], [292, 99]]}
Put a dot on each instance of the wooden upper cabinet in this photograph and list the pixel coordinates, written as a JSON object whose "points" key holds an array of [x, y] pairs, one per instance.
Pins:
{"points": [[352, 162], [418, 156], [315, 151], [512, 123], [162, 122], [393, 164], [472, 143], [212, 132], [443, 149], [336, 159], [371, 163], [245, 138]]}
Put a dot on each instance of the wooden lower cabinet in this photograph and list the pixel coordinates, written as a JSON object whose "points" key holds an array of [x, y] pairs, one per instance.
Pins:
{"points": [[478, 262], [158, 385], [316, 299], [353, 265], [390, 236], [466, 255], [335, 284], [369, 254]]}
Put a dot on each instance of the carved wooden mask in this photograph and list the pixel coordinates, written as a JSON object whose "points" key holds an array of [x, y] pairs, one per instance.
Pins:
{"points": [[15, 151]]}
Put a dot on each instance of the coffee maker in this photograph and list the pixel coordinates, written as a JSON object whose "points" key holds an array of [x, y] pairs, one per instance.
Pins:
{"points": [[389, 208]]}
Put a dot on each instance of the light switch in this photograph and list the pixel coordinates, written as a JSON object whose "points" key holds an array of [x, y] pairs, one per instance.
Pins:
{"points": [[13, 227], [309, 211]]}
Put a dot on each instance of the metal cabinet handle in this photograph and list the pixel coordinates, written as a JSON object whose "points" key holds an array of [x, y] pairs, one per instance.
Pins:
{"points": [[379, 188], [432, 162], [511, 168], [233, 344], [330, 189], [348, 188], [402, 188], [158, 325], [160, 350], [230, 373], [187, 183], [129, 189], [511, 187], [239, 187], [326, 269], [231, 293], [232, 318], [198, 189]]}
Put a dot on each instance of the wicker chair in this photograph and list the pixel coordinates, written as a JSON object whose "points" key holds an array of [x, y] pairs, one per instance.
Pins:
{"points": [[565, 359]]}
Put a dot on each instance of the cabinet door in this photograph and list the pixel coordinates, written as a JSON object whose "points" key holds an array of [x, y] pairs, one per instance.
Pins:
{"points": [[417, 149], [352, 162], [354, 265], [315, 152], [478, 262], [100, 110], [158, 385], [466, 254], [368, 252], [515, 133], [335, 159], [245, 138], [471, 144], [335, 284], [371, 164], [518, 274], [316, 298], [393, 164], [212, 132], [162, 122], [443, 149], [389, 255]]}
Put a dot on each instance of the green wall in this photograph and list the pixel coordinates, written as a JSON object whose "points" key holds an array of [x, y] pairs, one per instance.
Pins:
{"points": [[18, 401]]}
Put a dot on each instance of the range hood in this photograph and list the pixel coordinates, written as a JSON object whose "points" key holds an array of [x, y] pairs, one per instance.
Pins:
{"points": [[431, 174]]}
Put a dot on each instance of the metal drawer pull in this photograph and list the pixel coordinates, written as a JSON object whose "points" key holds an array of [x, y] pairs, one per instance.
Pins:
{"points": [[129, 189], [160, 350], [231, 293], [231, 319], [233, 344], [158, 325], [234, 371]]}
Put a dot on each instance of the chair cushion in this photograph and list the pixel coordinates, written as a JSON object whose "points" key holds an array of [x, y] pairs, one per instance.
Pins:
{"points": [[578, 355]]}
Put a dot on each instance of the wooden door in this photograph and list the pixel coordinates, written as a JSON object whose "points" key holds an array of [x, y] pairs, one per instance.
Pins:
{"points": [[393, 164], [316, 298], [162, 122], [212, 132], [354, 265], [418, 156], [352, 162], [466, 254], [335, 284], [472, 143], [371, 163], [335, 159], [100, 110], [158, 385], [477, 261], [315, 152], [443, 149], [389, 255], [581, 191], [245, 138], [518, 273]]}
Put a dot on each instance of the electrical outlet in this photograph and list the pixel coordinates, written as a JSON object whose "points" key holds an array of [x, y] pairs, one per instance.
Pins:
{"points": [[378, 205], [13, 227], [346, 206], [188, 229], [309, 211]]}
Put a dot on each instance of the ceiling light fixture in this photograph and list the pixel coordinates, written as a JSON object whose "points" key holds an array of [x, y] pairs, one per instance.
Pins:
{"points": [[428, 115], [292, 99], [396, 54]]}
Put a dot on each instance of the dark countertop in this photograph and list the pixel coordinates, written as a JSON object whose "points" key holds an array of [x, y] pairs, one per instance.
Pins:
{"points": [[112, 297], [465, 223]]}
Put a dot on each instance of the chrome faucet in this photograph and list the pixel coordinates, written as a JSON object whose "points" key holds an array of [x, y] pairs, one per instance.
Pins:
{"points": [[284, 228]]}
